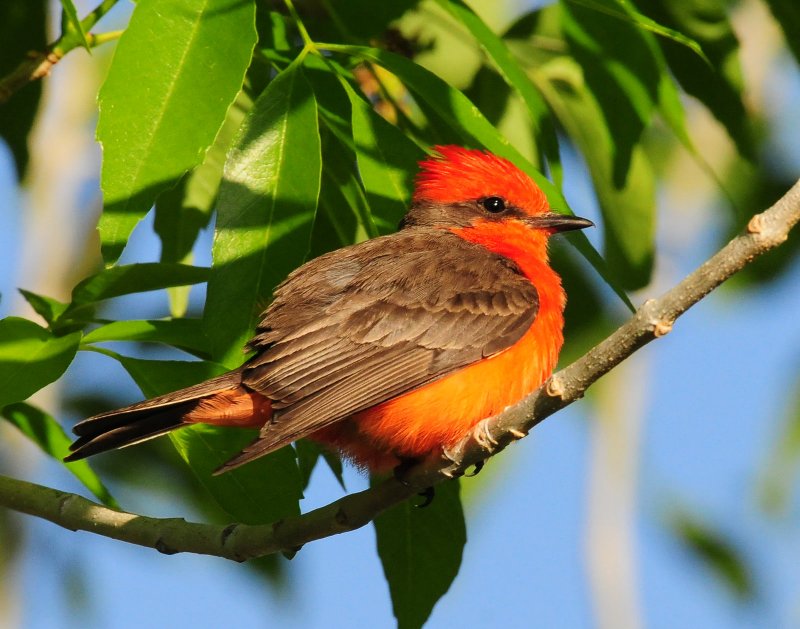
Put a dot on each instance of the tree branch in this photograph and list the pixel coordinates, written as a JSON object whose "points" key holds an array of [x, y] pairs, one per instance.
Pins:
{"points": [[240, 542], [38, 64]]}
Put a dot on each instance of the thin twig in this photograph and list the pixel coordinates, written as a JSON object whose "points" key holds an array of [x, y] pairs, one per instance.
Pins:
{"points": [[38, 64], [240, 542]]}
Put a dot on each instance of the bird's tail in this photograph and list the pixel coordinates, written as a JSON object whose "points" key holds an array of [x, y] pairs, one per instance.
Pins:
{"points": [[220, 401]]}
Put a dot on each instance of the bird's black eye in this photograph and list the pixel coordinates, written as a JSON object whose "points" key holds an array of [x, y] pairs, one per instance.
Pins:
{"points": [[494, 204]]}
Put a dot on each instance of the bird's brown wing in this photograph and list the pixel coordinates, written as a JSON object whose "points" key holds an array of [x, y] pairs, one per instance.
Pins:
{"points": [[363, 325]]}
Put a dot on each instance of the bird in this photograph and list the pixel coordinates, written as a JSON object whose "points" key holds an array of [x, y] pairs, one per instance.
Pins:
{"points": [[395, 348]]}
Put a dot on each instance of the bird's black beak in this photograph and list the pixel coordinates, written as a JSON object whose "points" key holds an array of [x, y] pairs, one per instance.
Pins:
{"points": [[558, 222]]}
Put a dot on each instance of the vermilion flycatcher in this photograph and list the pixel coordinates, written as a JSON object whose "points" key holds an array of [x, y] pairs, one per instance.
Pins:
{"points": [[395, 347]]}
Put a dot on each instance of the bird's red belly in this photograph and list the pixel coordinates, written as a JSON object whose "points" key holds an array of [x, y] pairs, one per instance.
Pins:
{"points": [[441, 413]]}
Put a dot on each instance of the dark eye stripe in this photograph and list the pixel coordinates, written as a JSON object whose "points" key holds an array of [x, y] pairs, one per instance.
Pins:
{"points": [[494, 204]]}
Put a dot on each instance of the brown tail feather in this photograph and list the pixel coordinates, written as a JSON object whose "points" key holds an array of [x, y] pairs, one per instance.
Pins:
{"points": [[148, 419]]}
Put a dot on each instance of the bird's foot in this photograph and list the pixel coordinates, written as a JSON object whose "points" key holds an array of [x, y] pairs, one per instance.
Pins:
{"points": [[400, 473]]}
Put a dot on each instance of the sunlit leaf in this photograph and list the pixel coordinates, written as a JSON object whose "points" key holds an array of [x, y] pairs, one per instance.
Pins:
{"points": [[387, 161], [129, 279], [186, 334], [176, 70], [31, 357], [266, 209], [343, 216], [628, 204], [46, 307], [615, 89], [182, 211], [625, 11]]}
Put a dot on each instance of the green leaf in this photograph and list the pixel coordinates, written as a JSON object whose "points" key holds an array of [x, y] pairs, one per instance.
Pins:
{"points": [[71, 24], [262, 491], [625, 11], [266, 209], [387, 161], [31, 357], [628, 204], [136, 278], [420, 550], [614, 92], [128, 279], [182, 211], [177, 224], [343, 216], [22, 29], [308, 453], [716, 552], [46, 432], [718, 83], [46, 307], [185, 334], [515, 76], [787, 15], [620, 67], [176, 70]]}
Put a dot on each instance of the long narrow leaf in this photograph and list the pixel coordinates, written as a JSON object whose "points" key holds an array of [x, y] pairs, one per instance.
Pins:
{"points": [[420, 550], [46, 432], [266, 210], [31, 357], [387, 161], [71, 23], [191, 56], [626, 12], [127, 280], [628, 205], [186, 334], [717, 84]]}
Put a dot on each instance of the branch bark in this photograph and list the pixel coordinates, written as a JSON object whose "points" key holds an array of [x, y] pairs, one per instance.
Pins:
{"points": [[240, 542]]}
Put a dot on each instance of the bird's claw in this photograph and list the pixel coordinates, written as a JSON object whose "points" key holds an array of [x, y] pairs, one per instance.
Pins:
{"points": [[428, 494], [476, 469]]}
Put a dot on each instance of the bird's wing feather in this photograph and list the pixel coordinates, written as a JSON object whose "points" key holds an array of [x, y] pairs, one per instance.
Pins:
{"points": [[363, 325]]}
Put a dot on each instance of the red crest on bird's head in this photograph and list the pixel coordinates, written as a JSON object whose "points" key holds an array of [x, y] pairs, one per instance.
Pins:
{"points": [[457, 174]]}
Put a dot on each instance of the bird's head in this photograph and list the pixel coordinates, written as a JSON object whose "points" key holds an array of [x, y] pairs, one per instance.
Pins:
{"points": [[462, 188]]}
